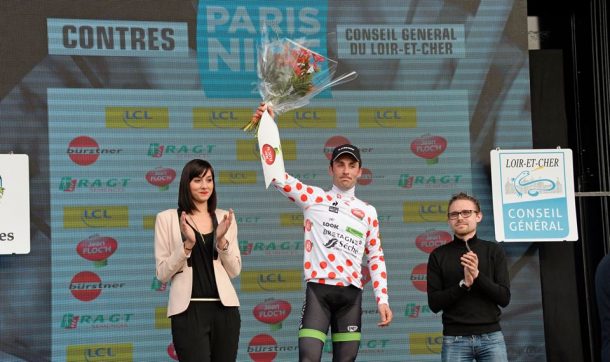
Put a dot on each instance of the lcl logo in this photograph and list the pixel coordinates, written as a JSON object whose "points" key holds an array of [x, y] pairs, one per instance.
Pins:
{"points": [[306, 115], [386, 115], [424, 211], [96, 214], [222, 115], [129, 115], [98, 352]]}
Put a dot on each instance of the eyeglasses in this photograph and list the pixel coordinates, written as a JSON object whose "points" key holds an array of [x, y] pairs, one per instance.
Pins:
{"points": [[465, 214]]}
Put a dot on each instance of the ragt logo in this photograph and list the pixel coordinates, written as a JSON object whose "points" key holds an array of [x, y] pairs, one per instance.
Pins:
{"points": [[158, 150], [413, 310], [114, 185], [115, 320]]}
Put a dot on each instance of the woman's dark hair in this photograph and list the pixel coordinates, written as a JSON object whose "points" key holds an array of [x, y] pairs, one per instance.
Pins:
{"points": [[192, 169]]}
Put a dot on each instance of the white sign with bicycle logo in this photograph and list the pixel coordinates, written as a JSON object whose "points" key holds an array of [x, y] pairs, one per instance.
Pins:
{"points": [[533, 195]]}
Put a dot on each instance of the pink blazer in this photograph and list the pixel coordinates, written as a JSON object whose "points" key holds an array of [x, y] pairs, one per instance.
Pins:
{"points": [[171, 262]]}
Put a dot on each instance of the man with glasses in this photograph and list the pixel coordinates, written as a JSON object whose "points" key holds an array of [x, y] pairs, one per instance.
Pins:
{"points": [[468, 280]]}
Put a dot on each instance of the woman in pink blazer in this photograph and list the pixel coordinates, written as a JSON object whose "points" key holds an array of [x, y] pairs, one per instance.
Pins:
{"points": [[196, 249]]}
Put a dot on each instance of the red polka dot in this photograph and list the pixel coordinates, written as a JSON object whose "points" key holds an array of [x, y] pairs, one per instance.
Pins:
{"points": [[323, 265], [375, 284], [314, 273], [309, 190], [299, 186], [355, 275], [384, 275], [381, 258], [286, 176], [368, 219], [384, 291], [303, 197], [332, 275], [331, 257], [349, 262], [319, 199], [373, 241], [374, 267], [340, 268], [329, 198], [322, 281], [291, 198], [366, 251], [378, 299], [375, 223], [349, 279], [340, 284], [368, 233], [287, 188], [307, 265]]}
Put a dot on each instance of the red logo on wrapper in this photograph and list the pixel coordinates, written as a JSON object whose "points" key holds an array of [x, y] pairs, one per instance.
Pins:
{"points": [[419, 277], [268, 154], [333, 142], [429, 147], [97, 249], [431, 240], [85, 286], [262, 348], [161, 177], [273, 312], [83, 150]]}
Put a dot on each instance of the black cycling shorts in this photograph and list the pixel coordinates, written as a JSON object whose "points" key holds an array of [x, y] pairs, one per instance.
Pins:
{"points": [[335, 306]]}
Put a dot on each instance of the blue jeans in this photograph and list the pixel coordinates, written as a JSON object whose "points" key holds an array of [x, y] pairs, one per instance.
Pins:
{"points": [[488, 347]]}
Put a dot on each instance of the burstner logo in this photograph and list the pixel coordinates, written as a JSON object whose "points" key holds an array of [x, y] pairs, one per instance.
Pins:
{"points": [[84, 150]]}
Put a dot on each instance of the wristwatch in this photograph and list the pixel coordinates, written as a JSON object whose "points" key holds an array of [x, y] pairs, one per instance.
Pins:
{"points": [[462, 285]]}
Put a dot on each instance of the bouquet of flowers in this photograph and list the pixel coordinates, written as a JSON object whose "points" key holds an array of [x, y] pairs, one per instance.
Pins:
{"points": [[290, 75]]}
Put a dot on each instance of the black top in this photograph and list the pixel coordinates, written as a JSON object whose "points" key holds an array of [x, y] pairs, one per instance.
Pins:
{"points": [[474, 311], [204, 282]]}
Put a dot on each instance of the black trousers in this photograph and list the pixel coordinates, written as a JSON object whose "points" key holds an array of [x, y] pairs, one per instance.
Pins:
{"points": [[206, 332]]}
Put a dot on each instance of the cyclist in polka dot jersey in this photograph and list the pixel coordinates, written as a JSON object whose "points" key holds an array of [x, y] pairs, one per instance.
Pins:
{"points": [[339, 230]]}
